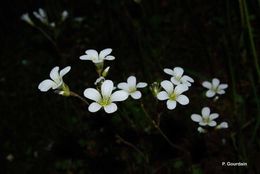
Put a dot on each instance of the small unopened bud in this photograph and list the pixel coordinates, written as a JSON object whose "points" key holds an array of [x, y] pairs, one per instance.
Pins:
{"points": [[64, 15], [201, 130], [105, 72], [223, 125], [155, 88], [25, 17], [10, 157], [63, 90]]}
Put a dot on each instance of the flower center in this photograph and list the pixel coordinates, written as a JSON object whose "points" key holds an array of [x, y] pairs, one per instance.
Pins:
{"points": [[132, 89], [206, 120], [105, 101], [173, 96]]}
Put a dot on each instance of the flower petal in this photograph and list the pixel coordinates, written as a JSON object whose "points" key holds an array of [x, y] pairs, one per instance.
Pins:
{"points": [[215, 82], [207, 84], [54, 74], [179, 89], [187, 78], [201, 130], [205, 111], [105, 53], [94, 107], [178, 71], [210, 93], [168, 71], [64, 71], [86, 57], [196, 117], [183, 99], [136, 95], [107, 88], [131, 81], [212, 123], [92, 53], [141, 85], [221, 92], [110, 108], [213, 116], [223, 86], [171, 104], [168, 86], [123, 85], [109, 58], [175, 81], [163, 95], [222, 125], [45, 85], [92, 94], [119, 96]]}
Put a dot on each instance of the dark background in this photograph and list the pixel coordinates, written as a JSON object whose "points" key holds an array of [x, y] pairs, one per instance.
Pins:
{"points": [[47, 133]]}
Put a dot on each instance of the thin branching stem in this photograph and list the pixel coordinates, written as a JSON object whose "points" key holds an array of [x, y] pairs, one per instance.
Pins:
{"points": [[74, 94]]}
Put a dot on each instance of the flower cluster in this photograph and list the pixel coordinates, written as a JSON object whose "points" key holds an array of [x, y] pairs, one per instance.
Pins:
{"points": [[42, 16], [207, 119]]}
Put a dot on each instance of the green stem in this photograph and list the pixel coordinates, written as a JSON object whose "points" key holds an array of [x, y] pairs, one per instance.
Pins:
{"points": [[79, 97]]}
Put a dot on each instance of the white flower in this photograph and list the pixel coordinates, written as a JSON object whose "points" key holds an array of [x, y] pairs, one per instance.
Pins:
{"points": [[97, 58], [173, 95], [178, 77], [131, 87], [56, 81], [64, 15], [214, 88], [223, 125], [205, 119], [105, 98], [201, 130], [41, 15], [25, 17]]}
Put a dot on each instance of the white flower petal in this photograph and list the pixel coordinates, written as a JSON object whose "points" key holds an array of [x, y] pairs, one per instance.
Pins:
{"points": [[167, 85], [212, 123], [171, 104], [179, 89], [215, 82], [187, 78], [210, 93], [163, 95], [94, 107], [222, 86], [175, 81], [64, 71], [92, 53], [131, 81], [141, 85], [54, 74], [92, 94], [136, 95], [202, 123], [221, 92], [119, 96], [105, 53], [168, 71], [213, 116], [205, 111], [183, 99], [123, 86], [45, 85], [222, 125], [207, 84], [107, 88], [86, 57], [201, 130], [110, 108], [109, 58], [196, 117], [178, 71]]}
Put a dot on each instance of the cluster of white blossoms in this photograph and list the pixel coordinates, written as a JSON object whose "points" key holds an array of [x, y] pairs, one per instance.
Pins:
{"points": [[105, 95], [42, 16], [174, 88], [207, 119]]}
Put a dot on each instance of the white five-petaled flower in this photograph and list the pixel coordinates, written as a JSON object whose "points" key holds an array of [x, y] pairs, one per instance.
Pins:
{"points": [[178, 77], [131, 87], [214, 88], [205, 119], [25, 17], [96, 57], [173, 95], [105, 98], [56, 81]]}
